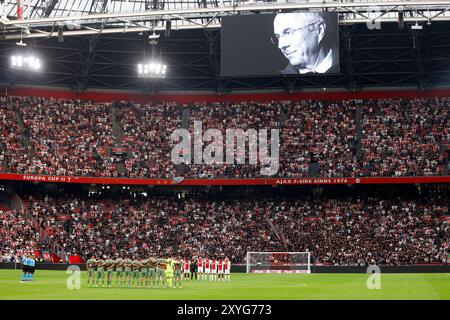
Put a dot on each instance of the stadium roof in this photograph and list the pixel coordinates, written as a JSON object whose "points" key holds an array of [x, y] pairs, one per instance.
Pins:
{"points": [[83, 17], [102, 41]]}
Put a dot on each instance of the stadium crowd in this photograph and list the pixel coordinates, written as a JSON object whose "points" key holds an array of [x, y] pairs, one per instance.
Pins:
{"points": [[403, 138], [324, 139], [146, 132], [223, 116], [70, 137], [320, 133], [14, 157], [371, 230], [17, 235], [339, 230]]}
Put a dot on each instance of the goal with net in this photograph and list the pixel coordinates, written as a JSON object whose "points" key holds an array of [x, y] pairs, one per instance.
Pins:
{"points": [[278, 262]]}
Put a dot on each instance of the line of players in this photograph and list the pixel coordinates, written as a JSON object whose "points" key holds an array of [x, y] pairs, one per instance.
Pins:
{"points": [[154, 272], [129, 272], [208, 269]]}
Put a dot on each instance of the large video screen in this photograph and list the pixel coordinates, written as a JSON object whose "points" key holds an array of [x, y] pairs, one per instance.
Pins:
{"points": [[284, 43]]}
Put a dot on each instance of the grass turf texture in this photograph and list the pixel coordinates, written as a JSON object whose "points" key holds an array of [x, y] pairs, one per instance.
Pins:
{"points": [[52, 285]]}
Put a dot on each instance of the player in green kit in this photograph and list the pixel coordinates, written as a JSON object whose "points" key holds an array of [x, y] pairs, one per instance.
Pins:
{"points": [[100, 271], [135, 272], [128, 264], [160, 272], [153, 262], [90, 267], [143, 273], [178, 272], [109, 265], [119, 271], [169, 272]]}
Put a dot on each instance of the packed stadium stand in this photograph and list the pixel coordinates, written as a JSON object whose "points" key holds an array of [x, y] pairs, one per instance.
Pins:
{"points": [[338, 225], [354, 138], [14, 155], [321, 139], [146, 132]]}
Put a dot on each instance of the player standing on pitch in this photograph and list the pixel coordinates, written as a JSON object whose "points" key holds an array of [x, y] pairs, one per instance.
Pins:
{"points": [[227, 269], [119, 271], [178, 272], [136, 265], [128, 263], [160, 272], [200, 268], [187, 268], [90, 267], [32, 264], [207, 268], [220, 266], [143, 273], [100, 272], [24, 268], [170, 263], [214, 270], [153, 262], [109, 265]]}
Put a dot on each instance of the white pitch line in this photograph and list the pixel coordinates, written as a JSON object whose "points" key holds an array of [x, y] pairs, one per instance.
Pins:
{"points": [[298, 285]]}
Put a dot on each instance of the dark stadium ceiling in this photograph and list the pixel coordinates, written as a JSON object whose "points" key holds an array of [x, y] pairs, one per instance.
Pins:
{"points": [[90, 57]]}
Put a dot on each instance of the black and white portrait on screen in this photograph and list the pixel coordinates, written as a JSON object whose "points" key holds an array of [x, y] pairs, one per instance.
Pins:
{"points": [[308, 41], [304, 42]]}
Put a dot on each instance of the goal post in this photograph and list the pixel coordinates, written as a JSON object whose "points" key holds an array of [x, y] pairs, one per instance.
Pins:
{"points": [[278, 262]]}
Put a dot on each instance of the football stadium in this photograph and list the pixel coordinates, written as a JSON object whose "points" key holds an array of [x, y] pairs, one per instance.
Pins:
{"points": [[224, 150]]}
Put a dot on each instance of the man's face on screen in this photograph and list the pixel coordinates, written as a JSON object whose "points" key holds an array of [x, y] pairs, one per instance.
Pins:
{"points": [[298, 38]]}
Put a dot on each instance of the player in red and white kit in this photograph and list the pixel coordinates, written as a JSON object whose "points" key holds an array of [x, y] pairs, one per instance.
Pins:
{"points": [[201, 268], [213, 276], [227, 269], [207, 268], [220, 267], [187, 268]]}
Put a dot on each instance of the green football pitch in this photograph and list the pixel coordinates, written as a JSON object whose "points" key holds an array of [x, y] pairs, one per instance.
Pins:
{"points": [[52, 285]]}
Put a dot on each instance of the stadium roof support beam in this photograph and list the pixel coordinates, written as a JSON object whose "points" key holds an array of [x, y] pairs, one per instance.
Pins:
{"points": [[350, 56], [421, 57], [85, 62], [349, 7], [288, 83], [98, 6], [213, 37], [195, 18], [48, 10]]}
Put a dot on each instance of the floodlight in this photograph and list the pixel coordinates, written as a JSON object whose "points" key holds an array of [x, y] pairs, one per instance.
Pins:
{"points": [[151, 69], [153, 36], [416, 26], [21, 43], [25, 62]]}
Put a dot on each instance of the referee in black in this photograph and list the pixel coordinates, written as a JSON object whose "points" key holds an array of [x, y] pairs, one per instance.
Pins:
{"points": [[194, 269]]}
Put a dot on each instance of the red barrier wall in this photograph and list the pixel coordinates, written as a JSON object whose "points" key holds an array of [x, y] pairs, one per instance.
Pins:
{"points": [[224, 182], [233, 97]]}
